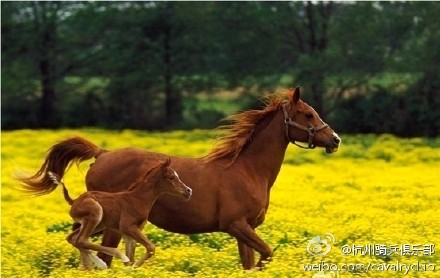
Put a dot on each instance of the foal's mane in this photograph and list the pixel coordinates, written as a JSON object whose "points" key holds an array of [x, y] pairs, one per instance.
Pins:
{"points": [[150, 177], [242, 127]]}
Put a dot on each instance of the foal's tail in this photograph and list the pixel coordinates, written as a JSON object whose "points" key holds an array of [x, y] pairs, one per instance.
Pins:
{"points": [[59, 158], [57, 181]]}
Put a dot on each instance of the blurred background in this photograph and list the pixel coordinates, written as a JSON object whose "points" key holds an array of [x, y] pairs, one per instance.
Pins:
{"points": [[367, 67]]}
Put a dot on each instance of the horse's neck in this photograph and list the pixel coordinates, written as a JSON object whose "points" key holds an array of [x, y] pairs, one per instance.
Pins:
{"points": [[265, 153]]}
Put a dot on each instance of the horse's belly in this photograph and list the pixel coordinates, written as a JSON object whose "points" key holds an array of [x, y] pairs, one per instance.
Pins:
{"points": [[174, 216]]}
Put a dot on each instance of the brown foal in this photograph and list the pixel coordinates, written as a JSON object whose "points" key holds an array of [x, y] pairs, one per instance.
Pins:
{"points": [[125, 212]]}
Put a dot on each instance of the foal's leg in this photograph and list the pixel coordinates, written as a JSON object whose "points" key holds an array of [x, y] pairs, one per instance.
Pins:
{"points": [[86, 257], [135, 233], [88, 225], [97, 261], [246, 255], [244, 233], [130, 246], [86, 262], [83, 243], [110, 238]]}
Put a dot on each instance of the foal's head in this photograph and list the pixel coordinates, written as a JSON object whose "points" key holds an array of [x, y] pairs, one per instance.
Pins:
{"points": [[303, 124], [168, 181]]}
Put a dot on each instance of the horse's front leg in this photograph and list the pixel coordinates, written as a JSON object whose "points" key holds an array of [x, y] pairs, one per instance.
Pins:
{"points": [[244, 233], [246, 255]]}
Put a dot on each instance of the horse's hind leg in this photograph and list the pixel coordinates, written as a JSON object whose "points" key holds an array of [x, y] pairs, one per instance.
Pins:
{"points": [[244, 233], [246, 255]]}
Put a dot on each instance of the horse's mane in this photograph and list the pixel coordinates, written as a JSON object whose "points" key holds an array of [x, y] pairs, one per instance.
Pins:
{"points": [[236, 135]]}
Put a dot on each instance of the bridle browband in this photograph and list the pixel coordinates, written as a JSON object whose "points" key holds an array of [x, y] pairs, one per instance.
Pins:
{"points": [[311, 130]]}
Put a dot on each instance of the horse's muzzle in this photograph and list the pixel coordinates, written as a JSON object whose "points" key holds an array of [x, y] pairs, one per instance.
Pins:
{"points": [[334, 145]]}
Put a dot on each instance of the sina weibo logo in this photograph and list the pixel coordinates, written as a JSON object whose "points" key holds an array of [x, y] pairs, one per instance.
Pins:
{"points": [[320, 246]]}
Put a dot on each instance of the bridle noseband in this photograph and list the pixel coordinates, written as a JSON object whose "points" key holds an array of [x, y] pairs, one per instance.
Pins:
{"points": [[311, 130]]}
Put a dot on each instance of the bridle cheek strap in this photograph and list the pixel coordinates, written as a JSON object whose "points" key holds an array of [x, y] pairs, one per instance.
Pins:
{"points": [[310, 130]]}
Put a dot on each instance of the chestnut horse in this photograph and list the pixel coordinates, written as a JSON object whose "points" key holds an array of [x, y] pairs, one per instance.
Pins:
{"points": [[231, 185]]}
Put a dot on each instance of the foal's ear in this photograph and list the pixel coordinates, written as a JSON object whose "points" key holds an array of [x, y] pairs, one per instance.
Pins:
{"points": [[294, 95], [166, 163]]}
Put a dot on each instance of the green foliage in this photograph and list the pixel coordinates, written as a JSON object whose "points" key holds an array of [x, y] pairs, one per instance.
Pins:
{"points": [[47, 262], [164, 65], [408, 114], [59, 227]]}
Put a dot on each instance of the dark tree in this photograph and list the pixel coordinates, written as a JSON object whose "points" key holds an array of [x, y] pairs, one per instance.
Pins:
{"points": [[45, 24]]}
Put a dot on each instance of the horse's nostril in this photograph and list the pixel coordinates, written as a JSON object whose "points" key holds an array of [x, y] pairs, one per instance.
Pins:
{"points": [[337, 140]]}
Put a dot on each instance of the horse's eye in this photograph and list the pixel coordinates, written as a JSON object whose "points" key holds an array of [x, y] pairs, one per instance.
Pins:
{"points": [[309, 116]]}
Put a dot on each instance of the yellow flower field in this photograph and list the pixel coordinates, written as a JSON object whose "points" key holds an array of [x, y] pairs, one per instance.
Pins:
{"points": [[376, 201]]}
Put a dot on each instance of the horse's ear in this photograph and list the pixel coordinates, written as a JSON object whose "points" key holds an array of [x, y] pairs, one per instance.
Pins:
{"points": [[294, 96]]}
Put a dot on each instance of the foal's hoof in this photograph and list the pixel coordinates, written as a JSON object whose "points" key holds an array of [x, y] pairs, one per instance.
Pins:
{"points": [[138, 264], [125, 259], [128, 263], [86, 268], [134, 266], [98, 262]]}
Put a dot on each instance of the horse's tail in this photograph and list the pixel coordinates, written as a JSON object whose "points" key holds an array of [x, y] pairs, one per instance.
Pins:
{"points": [[59, 158], [57, 181]]}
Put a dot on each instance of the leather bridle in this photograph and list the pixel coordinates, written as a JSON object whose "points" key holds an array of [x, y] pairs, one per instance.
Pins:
{"points": [[311, 130]]}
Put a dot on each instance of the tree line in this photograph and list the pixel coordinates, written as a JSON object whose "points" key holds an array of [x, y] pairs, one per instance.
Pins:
{"points": [[365, 66]]}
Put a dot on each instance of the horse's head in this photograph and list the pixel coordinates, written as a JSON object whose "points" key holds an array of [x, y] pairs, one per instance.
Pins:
{"points": [[303, 124], [172, 184]]}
